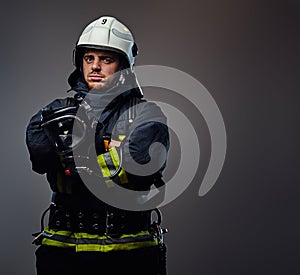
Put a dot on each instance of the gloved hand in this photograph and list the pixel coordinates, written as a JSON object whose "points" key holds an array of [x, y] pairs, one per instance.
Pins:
{"points": [[63, 128]]}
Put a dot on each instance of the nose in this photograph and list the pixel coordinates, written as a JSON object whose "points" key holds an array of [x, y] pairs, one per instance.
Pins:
{"points": [[96, 66]]}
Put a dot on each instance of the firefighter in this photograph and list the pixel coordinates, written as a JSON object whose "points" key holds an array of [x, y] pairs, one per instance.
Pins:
{"points": [[94, 134]]}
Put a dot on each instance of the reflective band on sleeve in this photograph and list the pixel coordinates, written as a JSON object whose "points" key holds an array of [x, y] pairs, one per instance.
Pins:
{"points": [[115, 159], [109, 163], [103, 166], [122, 176], [121, 137]]}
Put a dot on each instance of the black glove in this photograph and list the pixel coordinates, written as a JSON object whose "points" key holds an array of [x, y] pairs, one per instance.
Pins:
{"points": [[63, 128]]}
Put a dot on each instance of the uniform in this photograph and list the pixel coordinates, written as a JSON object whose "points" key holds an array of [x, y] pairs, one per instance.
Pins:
{"points": [[85, 234]]}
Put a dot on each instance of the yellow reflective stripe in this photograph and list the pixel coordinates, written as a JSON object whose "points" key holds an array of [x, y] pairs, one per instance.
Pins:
{"points": [[82, 235], [113, 247], [113, 159], [112, 167], [105, 171], [90, 242], [103, 166], [62, 238], [114, 156], [121, 137], [46, 241], [122, 176]]}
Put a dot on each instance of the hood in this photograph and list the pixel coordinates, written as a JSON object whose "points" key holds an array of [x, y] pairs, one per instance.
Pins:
{"points": [[105, 99], [125, 83], [77, 83]]}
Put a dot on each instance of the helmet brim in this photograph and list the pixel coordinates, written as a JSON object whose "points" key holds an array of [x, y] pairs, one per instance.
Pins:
{"points": [[84, 47]]}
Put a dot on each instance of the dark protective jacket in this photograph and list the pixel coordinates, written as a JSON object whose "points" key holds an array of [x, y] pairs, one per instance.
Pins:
{"points": [[147, 128]]}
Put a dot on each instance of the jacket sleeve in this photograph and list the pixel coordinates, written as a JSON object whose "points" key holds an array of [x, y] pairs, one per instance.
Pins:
{"points": [[142, 153], [148, 139], [42, 155]]}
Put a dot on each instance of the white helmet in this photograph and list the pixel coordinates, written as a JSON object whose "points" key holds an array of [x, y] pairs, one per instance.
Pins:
{"points": [[107, 33]]}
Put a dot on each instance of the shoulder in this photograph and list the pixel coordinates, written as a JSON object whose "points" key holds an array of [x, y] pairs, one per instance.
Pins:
{"points": [[60, 102], [56, 103], [150, 110]]}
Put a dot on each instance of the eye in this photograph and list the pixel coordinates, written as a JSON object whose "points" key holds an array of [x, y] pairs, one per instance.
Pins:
{"points": [[107, 59], [88, 58]]}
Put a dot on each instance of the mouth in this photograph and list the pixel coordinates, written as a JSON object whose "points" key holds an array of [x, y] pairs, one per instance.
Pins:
{"points": [[96, 78]]}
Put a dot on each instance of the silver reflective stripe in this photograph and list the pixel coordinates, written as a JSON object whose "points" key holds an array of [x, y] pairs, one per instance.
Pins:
{"points": [[103, 241], [109, 163], [109, 241], [60, 238]]}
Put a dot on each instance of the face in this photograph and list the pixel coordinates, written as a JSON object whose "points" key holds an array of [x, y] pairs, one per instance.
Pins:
{"points": [[99, 67]]}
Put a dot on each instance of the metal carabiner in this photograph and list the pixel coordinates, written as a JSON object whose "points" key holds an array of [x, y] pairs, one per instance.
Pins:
{"points": [[157, 230]]}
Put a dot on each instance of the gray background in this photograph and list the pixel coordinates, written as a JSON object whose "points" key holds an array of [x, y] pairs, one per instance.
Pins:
{"points": [[246, 53]]}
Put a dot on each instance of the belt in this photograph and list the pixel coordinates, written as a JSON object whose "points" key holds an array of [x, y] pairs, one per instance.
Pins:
{"points": [[113, 222]]}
